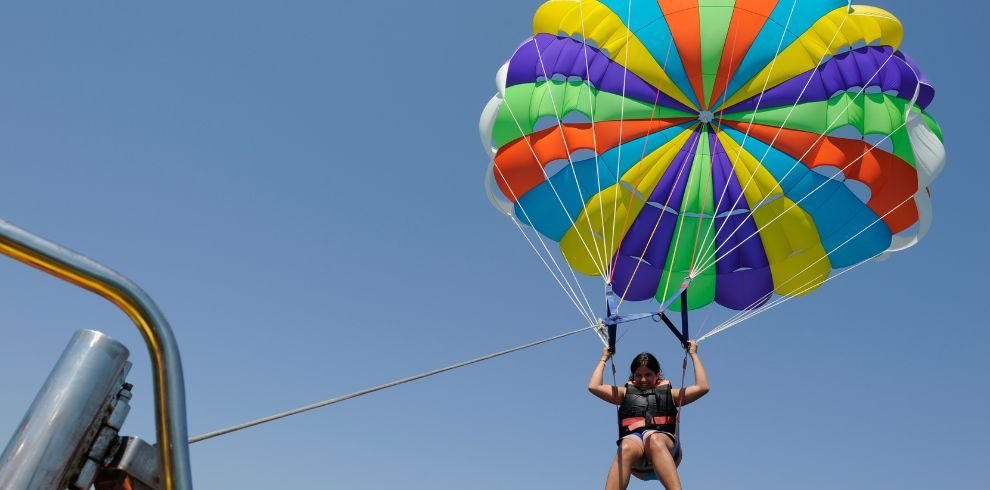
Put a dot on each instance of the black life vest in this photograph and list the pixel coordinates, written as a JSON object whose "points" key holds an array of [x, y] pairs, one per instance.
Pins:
{"points": [[652, 409]]}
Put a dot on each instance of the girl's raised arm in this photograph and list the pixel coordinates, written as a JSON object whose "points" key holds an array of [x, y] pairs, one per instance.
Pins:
{"points": [[597, 386], [683, 396]]}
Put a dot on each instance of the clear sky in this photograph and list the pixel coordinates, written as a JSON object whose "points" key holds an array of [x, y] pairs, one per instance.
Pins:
{"points": [[299, 186]]}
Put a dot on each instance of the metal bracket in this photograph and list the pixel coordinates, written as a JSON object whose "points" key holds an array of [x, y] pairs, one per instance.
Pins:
{"points": [[107, 441], [134, 466], [602, 333]]}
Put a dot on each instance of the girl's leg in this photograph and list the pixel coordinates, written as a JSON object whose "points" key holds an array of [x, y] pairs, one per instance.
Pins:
{"points": [[659, 448], [630, 450]]}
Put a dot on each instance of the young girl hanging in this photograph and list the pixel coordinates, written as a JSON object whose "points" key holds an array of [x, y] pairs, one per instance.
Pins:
{"points": [[648, 444]]}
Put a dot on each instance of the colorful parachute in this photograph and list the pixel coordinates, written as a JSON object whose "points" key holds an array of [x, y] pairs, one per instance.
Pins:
{"points": [[749, 146]]}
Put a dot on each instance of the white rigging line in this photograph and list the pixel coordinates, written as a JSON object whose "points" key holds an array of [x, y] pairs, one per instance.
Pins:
{"points": [[728, 78], [592, 109], [780, 129], [759, 102], [622, 115], [798, 162], [812, 284], [649, 241], [667, 203], [670, 45], [559, 200], [806, 287], [592, 105], [594, 132], [563, 137], [586, 310], [656, 226], [628, 221], [704, 184], [526, 137], [680, 220]]}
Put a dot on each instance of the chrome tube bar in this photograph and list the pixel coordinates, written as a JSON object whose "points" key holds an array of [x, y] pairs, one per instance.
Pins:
{"points": [[166, 366]]}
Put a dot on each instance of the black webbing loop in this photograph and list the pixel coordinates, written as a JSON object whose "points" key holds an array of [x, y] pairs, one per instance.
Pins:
{"points": [[685, 333], [673, 328], [682, 334]]}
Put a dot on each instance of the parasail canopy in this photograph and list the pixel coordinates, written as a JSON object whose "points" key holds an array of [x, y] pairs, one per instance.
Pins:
{"points": [[748, 147]]}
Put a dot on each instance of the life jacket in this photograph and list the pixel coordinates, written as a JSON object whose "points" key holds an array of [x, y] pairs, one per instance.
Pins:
{"points": [[651, 409]]}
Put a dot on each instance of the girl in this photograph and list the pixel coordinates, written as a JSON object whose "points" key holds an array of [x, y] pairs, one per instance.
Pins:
{"points": [[647, 418]]}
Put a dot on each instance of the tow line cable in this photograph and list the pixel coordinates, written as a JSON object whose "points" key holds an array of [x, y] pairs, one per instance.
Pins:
{"points": [[600, 327], [366, 391]]}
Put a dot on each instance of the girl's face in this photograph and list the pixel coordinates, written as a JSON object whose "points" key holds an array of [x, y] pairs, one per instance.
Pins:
{"points": [[645, 378]]}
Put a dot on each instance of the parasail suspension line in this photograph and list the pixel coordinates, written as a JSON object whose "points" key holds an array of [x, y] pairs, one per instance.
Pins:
{"points": [[808, 194], [622, 117], [562, 281], [861, 91], [587, 249], [603, 267], [807, 286], [759, 102]]}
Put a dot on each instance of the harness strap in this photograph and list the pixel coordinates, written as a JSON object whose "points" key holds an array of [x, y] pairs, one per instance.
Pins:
{"points": [[680, 404], [685, 333], [633, 423], [673, 328], [612, 322]]}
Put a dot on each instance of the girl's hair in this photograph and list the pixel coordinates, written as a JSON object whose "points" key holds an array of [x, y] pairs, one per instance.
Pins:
{"points": [[646, 360]]}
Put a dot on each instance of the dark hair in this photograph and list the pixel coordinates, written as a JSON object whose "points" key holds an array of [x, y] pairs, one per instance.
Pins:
{"points": [[646, 360]]}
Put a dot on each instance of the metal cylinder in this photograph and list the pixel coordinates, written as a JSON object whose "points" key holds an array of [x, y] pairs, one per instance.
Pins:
{"points": [[56, 431]]}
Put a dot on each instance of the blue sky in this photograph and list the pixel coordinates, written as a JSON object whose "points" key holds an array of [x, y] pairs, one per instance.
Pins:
{"points": [[299, 186]]}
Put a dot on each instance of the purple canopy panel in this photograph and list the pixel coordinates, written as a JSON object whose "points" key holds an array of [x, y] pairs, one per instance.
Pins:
{"points": [[744, 289], [743, 275], [735, 288], [869, 66], [669, 191], [650, 235], [926, 93], [635, 280], [728, 193], [571, 58]]}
